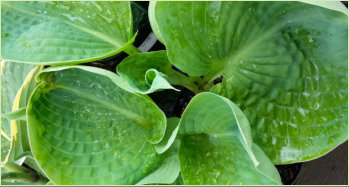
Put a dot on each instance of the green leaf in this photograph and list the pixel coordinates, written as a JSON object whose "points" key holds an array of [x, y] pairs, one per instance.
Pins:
{"points": [[150, 72], [216, 146], [5, 147], [16, 115], [170, 135], [146, 72], [169, 170], [12, 77], [64, 32], [20, 147], [283, 63], [85, 129]]}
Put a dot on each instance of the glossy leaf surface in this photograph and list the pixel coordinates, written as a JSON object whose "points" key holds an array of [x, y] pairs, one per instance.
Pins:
{"points": [[53, 32], [283, 63], [84, 129], [217, 148]]}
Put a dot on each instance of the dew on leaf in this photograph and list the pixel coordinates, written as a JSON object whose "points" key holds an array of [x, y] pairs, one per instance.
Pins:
{"points": [[66, 162]]}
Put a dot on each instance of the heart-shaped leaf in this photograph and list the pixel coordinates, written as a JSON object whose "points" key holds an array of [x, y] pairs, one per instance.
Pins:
{"points": [[152, 71], [217, 148], [54, 32], [283, 63], [85, 129]]}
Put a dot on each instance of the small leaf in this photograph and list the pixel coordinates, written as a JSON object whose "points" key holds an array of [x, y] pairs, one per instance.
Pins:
{"points": [[53, 32], [216, 146], [85, 129], [148, 72]]}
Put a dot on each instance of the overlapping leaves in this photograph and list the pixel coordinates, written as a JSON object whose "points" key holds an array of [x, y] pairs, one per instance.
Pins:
{"points": [[283, 63]]}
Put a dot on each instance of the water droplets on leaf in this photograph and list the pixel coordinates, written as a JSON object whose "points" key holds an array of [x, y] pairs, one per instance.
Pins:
{"points": [[99, 8], [63, 7], [208, 154], [66, 161]]}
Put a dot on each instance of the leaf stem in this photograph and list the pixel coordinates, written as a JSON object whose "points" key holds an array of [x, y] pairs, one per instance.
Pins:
{"points": [[132, 50], [177, 78]]}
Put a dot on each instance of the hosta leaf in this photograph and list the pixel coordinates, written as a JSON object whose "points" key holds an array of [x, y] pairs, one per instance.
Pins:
{"points": [[64, 32], [283, 63], [169, 170], [149, 72], [85, 129], [217, 148], [12, 77], [145, 72], [5, 147], [170, 135], [19, 136]]}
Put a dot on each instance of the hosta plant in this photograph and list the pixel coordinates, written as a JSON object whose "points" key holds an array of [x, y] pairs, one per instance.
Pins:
{"points": [[282, 98]]}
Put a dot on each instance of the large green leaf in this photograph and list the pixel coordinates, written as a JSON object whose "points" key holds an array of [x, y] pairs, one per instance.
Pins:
{"points": [[152, 71], [85, 129], [283, 63], [217, 148], [52, 32]]}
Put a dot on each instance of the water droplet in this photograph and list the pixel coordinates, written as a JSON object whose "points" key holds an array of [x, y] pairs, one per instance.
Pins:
{"points": [[4, 35], [310, 39], [107, 145], [66, 8], [45, 12], [109, 20], [98, 6], [115, 154], [108, 12], [28, 45], [67, 161], [250, 9]]}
